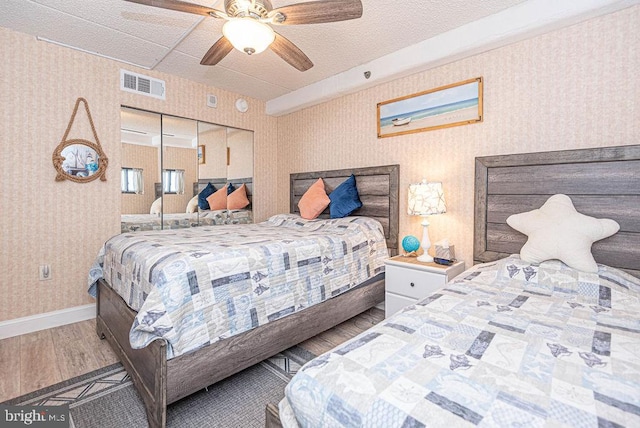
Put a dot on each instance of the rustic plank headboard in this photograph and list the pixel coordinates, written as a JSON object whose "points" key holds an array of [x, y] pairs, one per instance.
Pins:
{"points": [[602, 182], [378, 188]]}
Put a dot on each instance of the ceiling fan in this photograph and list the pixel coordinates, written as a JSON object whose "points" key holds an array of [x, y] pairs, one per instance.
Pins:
{"points": [[247, 27]]}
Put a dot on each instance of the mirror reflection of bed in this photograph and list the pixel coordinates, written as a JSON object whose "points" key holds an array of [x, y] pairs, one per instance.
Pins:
{"points": [[162, 172]]}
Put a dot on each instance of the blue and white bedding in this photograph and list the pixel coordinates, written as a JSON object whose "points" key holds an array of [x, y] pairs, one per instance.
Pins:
{"points": [[196, 286], [142, 222], [504, 344]]}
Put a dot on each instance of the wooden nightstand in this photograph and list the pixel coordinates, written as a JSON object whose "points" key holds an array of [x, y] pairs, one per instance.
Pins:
{"points": [[408, 280]]}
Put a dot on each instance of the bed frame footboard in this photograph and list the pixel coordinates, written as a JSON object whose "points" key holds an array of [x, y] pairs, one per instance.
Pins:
{"points": [[147, 367], [161, 382]]}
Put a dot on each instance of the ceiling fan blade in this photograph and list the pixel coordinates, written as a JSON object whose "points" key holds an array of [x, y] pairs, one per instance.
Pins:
{"points": [[317, 12], [219, 50], [182, 6], [290, 53]]}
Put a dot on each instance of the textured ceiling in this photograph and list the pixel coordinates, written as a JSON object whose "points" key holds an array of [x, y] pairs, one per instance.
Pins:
{"points": [[174, 42]]}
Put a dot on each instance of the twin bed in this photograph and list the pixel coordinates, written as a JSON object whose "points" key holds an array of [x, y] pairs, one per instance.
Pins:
{"points": [[507, 342]]}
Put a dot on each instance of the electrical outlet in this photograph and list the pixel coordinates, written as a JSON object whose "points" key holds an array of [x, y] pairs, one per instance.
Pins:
{"points": [[45, 272]]}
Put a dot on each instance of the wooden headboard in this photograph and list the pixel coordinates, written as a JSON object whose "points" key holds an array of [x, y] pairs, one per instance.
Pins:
{"points": [[378, 188], [602, 182]]}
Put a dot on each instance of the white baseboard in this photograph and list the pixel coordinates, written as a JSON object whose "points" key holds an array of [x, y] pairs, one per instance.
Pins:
{"points": [[47, 320]]}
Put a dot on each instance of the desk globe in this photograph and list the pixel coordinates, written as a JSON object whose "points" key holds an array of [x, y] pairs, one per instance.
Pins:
{"points": [[410, 243]]}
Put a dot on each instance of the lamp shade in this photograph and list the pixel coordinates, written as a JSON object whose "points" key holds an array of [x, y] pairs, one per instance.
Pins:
{"points": [[426, 199], [248, 35]]}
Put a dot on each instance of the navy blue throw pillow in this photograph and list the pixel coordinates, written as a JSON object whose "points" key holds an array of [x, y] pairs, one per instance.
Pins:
{"points": [[344, 198], [230, 189], [204, 194]]}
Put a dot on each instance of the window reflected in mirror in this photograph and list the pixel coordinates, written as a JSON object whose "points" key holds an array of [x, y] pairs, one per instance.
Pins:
{"points": [[173, 181], [132, 180]]}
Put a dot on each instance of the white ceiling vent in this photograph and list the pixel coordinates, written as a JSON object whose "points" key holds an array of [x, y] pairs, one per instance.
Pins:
{"points": [[143, 85]]}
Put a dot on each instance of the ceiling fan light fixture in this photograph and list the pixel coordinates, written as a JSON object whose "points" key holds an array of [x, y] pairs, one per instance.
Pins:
{"points": [[248, 35]]}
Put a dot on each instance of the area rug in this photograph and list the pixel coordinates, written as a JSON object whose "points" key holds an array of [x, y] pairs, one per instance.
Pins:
{"points": [[107, 397]]}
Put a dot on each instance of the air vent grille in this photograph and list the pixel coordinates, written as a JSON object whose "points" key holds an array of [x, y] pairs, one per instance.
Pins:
{"points": [[130, 81], [143, 85]]}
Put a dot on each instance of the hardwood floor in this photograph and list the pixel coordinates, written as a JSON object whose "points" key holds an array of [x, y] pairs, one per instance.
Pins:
{"points": [[36, 360]]}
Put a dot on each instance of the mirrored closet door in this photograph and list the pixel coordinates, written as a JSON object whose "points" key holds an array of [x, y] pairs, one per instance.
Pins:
{"points": [[168, 161], [225, 161]]}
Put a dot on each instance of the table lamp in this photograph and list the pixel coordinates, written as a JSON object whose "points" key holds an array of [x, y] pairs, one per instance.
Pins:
{"points": [[426, 199]]}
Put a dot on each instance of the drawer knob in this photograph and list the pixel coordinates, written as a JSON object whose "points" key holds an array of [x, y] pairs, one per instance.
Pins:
{"points": [[412, 284]]}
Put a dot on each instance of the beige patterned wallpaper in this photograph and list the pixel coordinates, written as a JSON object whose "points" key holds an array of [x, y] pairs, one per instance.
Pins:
{"points": [[64, 224], [145, 158], [215, 154], [240, 146], [573, 88]]}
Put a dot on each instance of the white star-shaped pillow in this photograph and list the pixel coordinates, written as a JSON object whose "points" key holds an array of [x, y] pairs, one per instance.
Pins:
{"points": [[557, 231]]}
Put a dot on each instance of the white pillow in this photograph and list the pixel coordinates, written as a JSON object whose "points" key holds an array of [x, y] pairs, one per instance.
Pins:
{"points": [[557, 231], [192, 206], [156, 206]]}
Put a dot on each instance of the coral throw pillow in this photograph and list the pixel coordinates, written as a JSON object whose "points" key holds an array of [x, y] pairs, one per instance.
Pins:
{"points": [[314, 201], [218, 200], [238, 198]]}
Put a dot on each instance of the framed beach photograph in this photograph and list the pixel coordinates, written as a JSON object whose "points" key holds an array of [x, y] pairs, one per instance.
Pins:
{"points": [[201, 154], [451, 105]]}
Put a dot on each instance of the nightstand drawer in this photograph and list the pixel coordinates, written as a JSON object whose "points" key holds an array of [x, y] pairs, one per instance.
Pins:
{"points": [[393, 303], [412, 282]]}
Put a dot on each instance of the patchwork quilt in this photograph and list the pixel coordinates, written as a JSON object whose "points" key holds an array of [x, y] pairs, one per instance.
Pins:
{"points": [[196, 286], [141, 222], [504, 344]]}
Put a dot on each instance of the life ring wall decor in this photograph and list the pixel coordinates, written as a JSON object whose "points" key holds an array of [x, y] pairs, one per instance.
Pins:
{"points": [[80, 160]]}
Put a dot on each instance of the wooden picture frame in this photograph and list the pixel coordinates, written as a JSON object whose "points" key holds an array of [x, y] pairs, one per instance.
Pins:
{"points": [[201, 154], [443, 107]]}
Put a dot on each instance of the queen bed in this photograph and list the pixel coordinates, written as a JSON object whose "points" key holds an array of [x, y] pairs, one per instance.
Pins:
{"points": [[508, 342], [159, 318]]}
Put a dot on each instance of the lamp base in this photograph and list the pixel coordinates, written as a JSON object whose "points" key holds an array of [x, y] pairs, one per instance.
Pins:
{"points": [[426, 243], [426, 258]]}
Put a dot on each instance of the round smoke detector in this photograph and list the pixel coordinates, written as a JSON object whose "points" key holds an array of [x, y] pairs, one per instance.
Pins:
{"points": [[242, 105]]}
